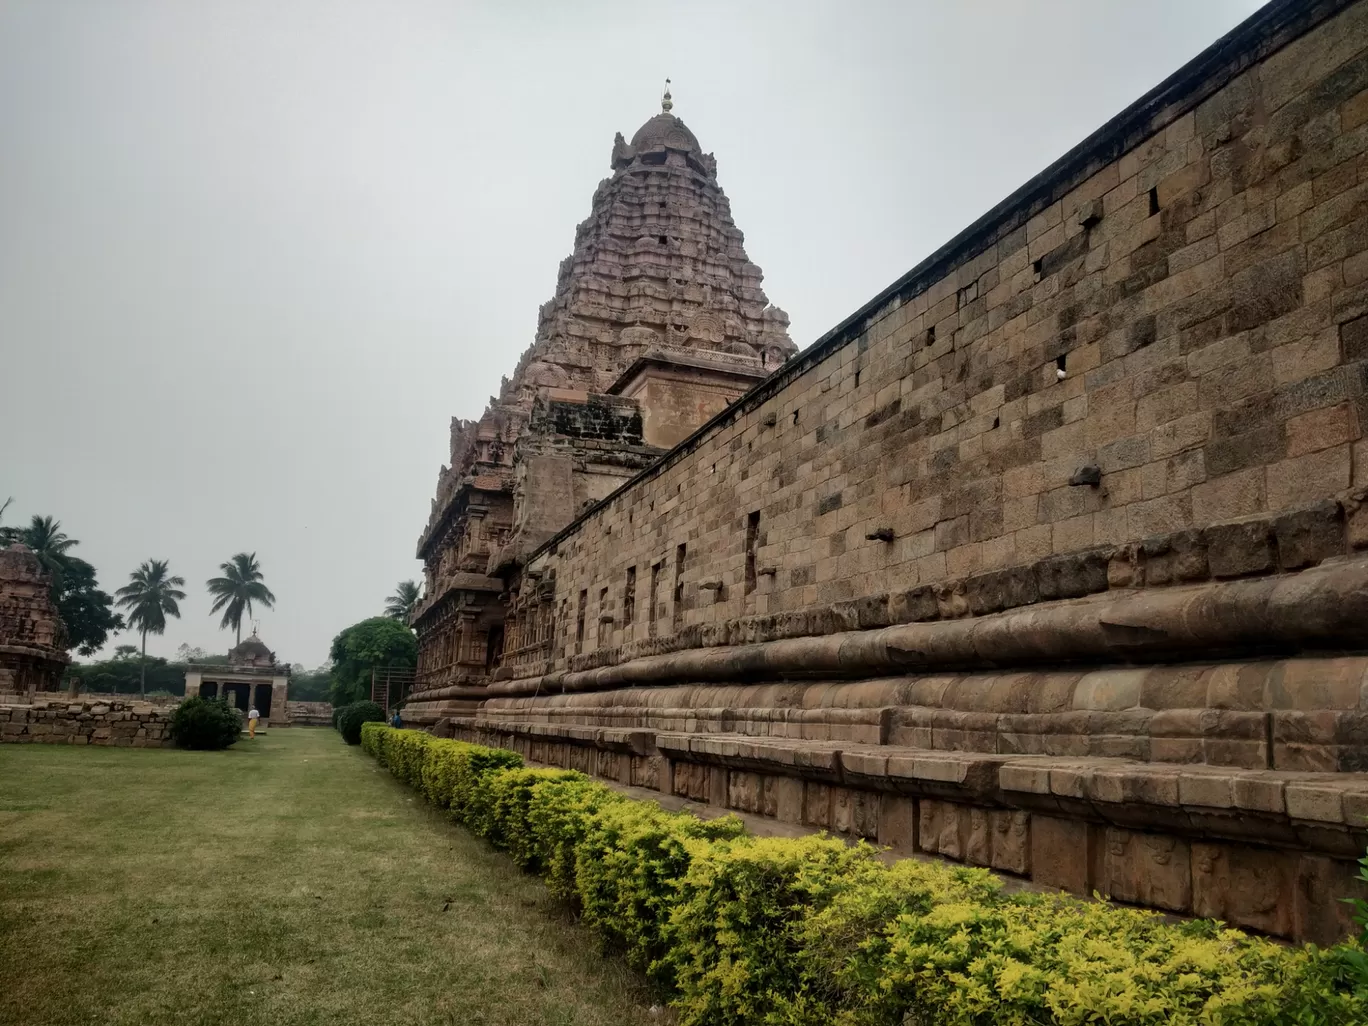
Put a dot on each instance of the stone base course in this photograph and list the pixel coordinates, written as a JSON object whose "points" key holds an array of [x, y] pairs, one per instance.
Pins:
{"points": [[117, 724], [1265, 850]]}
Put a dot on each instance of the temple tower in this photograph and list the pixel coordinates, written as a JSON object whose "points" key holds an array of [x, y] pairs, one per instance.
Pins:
{"points": [[658, 322], [32, 656]]}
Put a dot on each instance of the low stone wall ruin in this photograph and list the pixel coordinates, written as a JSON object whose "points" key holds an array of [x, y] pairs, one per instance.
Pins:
{"points": [[114, 724], [309, 714]]}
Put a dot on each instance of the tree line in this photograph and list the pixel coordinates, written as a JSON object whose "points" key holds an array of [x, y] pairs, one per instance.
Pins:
{"points": [[90, 615], [152, 596]]}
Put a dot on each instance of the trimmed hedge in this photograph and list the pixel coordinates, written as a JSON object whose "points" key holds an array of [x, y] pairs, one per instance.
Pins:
{"points": [[351, 717], [745, 930]]}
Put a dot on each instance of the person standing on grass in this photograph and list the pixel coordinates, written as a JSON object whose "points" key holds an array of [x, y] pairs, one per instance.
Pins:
{"points": [[252, 717]]}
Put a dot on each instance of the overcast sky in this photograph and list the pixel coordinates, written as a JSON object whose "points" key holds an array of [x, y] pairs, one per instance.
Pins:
{"points": [[255, 255]]}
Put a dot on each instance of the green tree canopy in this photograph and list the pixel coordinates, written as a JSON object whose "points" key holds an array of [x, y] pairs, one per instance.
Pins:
{"points": [[150, 596], [125, 676], [310, 685], [87, 612], [45, 537], [379, 641], [241, 585], [399, 606]]}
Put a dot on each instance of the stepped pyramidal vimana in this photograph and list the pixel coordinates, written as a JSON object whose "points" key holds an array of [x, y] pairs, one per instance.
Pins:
{"points": [[1051, 558]]}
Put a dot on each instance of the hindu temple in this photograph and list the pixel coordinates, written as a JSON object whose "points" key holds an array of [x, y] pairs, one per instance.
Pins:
{"points": [[1051, 558], [251, 678], [658, 322]]}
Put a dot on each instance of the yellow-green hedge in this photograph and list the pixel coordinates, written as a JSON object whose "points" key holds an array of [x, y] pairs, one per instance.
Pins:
{"points": [[746, 931]]}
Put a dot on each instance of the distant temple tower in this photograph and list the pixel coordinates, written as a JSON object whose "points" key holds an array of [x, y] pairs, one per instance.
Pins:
{"points": [[32, 656], [658, 322]]}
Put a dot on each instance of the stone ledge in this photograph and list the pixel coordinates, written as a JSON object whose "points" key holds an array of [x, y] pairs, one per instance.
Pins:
{"points": [[1089, 826], [1322, 607], [1282, 542], [1326, 812], [605, 738], [1300, 714]]}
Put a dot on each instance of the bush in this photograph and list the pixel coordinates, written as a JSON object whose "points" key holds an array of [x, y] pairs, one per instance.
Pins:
{"points": [[205, 723], [745, 930], [628, 866], [351, 718]]}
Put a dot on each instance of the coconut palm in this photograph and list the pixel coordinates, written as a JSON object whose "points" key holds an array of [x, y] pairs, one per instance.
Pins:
{"points": [[240, 586], [150, 596], [44, 536], [399, 606]]}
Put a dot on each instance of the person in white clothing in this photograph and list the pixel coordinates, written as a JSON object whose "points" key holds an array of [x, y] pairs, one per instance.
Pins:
{"points": [[252, 717]]}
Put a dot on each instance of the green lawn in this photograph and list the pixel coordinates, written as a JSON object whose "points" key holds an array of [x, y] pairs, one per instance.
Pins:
{"points": [[286, 880]]}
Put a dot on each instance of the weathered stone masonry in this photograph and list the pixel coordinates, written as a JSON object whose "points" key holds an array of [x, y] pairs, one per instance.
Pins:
{"points": [[658, 322], [1053, 557], [112, 724], [32, 658]]}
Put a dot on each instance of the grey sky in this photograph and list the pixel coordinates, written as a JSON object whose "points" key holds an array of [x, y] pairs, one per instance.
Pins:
{"points": [[254, 255]]}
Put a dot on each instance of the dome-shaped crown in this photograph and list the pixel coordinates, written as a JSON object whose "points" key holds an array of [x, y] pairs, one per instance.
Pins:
{"points": [[668, 131], [660, 136], [251, 651]]}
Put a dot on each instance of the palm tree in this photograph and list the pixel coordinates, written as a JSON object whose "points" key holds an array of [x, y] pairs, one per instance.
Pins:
{"points": [[150, 596], [44, 536], [399, 606], [240, 586]]}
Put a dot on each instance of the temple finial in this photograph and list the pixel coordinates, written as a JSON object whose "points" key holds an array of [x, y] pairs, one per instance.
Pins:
{"points": [[665, 102]]}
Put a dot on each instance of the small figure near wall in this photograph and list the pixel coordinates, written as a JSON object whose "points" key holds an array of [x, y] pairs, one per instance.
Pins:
{"points": [[252, 717]]}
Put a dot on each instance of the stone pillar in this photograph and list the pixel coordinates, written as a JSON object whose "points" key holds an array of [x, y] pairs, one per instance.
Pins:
{"points": [[280, 686]]}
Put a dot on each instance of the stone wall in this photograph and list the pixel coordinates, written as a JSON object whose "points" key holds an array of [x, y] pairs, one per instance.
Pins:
{"points": [[1140, 346], [1052, 557], [107, 697], [117, 724], [309, 714]]}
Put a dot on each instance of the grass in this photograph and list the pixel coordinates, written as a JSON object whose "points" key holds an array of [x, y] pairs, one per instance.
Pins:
{"points": [[286, 880]]}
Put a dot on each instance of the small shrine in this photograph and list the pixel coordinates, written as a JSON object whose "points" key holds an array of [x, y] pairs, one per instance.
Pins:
{"points": [[251, 677]]}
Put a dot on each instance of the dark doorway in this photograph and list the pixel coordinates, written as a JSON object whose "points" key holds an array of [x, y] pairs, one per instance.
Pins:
{"points": [[264, 702], [236, 695], [208, 689], [494, 649]]}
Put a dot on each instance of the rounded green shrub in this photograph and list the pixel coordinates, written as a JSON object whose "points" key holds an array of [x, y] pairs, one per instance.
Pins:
{"points": [[205, 723], [349, 720]]}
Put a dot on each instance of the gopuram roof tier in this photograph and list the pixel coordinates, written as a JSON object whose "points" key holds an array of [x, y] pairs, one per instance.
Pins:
{"points": [[659, 269]]}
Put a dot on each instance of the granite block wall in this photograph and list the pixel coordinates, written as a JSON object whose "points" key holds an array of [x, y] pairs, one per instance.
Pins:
{"points": [[1151, 345]]}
